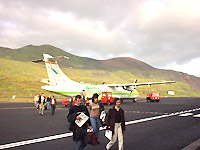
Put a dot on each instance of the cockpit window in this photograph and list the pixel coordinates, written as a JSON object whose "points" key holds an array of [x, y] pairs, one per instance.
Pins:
{"points": [[109, 94], [104, 94]]}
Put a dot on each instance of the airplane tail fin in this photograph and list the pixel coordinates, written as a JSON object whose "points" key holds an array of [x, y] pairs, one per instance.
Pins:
{"points": [[55, 74]]}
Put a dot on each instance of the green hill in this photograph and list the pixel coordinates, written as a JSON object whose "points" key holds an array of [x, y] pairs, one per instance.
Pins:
{"points": [[23, 79], [19, 76]]}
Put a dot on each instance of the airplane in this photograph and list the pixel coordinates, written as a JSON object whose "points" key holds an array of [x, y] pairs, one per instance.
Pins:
{"points": [[59, 83]]}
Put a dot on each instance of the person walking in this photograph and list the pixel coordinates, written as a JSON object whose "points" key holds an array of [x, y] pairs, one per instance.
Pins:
{"points": [[36, 98], [115, 122], [53, 105], [41, 103], [79, 133], [96, 107], [48, 102]]}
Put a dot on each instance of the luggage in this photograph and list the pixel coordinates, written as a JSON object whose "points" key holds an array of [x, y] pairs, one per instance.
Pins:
{"points": [[92, 140]]}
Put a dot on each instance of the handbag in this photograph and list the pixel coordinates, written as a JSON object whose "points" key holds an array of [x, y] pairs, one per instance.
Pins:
{"points": [[92, 140]]}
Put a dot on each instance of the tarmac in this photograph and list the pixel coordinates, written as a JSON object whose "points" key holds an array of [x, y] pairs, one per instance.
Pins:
{"points": [[171, 124]]}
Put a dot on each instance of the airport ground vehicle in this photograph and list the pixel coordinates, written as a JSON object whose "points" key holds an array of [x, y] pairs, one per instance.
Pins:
{"points": [[153, 97], [65, 102], [107, 98]]}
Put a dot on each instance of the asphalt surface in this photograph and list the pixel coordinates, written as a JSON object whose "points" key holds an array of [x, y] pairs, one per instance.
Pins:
{"points": [[164, 129]]}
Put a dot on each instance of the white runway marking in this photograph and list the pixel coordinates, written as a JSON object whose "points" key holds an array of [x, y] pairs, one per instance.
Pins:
{"points": [[54, 137], [198, 115], [186, 114], [193, 146], [142, 112]]}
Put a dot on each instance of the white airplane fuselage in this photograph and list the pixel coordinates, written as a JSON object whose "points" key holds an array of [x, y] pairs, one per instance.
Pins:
{"points": [[75, 89], [61, 84]]}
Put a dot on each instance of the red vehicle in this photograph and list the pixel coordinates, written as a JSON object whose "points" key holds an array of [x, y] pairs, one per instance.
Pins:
{"points": [[153, 97], [107, 98], [66, 102]]}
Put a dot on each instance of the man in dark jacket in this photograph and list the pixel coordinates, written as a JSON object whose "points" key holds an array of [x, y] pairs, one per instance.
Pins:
{"points": [[41, 103], [79, 133]]}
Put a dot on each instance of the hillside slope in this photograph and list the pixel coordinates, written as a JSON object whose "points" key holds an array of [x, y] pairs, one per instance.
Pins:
{"points": [[23, 80], [137, 69]]}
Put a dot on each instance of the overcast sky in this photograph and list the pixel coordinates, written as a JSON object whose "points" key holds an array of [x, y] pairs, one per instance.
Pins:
{"points": [[162, 33]]}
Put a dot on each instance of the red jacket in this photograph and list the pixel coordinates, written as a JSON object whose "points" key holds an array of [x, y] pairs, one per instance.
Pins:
{"points": [[55, 102]]}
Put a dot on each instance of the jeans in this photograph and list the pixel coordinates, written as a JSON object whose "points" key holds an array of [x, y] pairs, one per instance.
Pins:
{"points": [[48, 105], [96, 123], [80, 144]]}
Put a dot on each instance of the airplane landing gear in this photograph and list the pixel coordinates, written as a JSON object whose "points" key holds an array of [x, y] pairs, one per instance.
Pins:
{"points": [[134, 99]]}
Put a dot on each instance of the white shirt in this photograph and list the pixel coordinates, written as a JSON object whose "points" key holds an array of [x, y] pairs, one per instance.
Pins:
{"points": [[53, 101], [42, 99]]}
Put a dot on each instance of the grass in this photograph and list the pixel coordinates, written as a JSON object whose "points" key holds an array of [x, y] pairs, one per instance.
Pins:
{"points": [[20, 78], [23, 80]]}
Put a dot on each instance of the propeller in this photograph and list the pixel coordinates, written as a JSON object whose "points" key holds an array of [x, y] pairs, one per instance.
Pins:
{"points": [[136, 80]]}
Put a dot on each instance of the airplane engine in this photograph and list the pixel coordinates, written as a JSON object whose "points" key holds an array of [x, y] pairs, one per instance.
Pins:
{"points": [[129, 88]]}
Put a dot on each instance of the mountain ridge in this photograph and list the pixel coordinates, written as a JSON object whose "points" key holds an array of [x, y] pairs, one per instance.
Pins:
{"points": [[136, 67]]}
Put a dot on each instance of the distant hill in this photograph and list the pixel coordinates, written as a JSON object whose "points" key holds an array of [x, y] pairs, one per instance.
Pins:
{"points": [[137, 69], [23, 80]]}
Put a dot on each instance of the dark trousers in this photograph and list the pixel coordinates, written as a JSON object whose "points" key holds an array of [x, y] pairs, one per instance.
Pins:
{"points": [[82, 143], [53, 107]]}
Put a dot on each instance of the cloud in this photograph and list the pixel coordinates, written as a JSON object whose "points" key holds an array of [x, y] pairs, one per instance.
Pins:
{"points": [[160, 33], [191, 67]]}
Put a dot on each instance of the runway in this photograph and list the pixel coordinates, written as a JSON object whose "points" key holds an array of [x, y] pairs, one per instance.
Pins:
{"points": [[171, 124]]}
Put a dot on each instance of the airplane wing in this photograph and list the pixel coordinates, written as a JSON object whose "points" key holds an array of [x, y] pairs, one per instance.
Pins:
{"points": [[53, 59], [37, 61], [139, 84], [57, 58]]}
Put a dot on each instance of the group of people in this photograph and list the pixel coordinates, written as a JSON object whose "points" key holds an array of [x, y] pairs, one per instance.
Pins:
{"points": [[115, 122], [41, 101]]}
